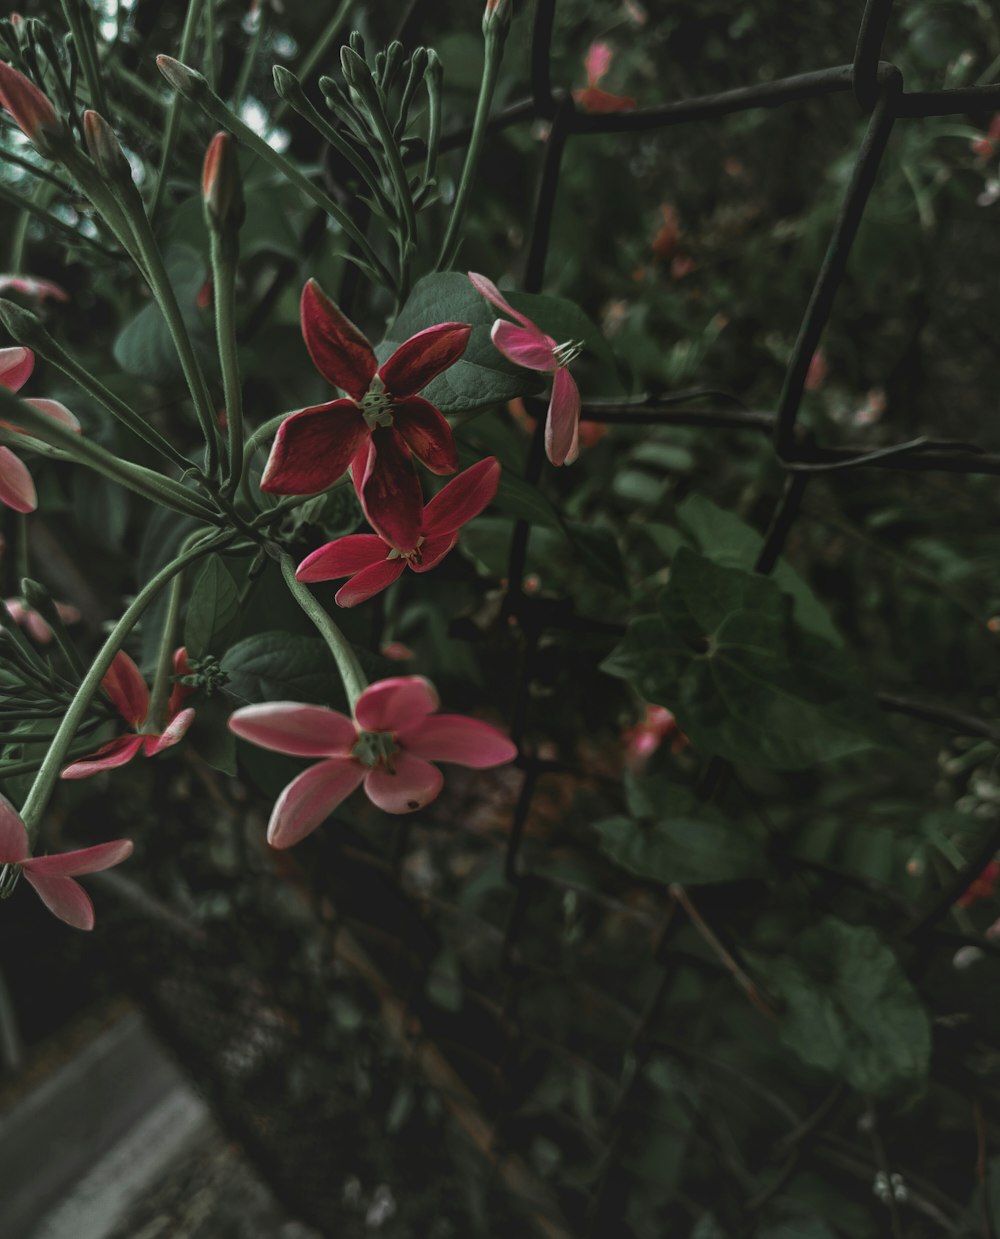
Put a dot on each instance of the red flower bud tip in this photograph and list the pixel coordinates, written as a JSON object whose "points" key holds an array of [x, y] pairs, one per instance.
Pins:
{"points": [[222, 185], [497, 15], [35, 116], [184, 80], [104, 148]]}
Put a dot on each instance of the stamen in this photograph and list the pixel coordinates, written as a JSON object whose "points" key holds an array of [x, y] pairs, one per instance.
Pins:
{"points": [[9, 875], [376, 405], [568, 352]]}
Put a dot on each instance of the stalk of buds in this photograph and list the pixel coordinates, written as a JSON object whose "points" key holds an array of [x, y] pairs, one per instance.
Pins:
{"points": [[222, 186], [33, 113], [497, 15]]}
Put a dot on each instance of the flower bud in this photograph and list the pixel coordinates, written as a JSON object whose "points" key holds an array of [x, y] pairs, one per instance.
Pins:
{"points": [[26, 328], [105, 149], [497, 15], [222, 185], [34, 114], [187, 82]]}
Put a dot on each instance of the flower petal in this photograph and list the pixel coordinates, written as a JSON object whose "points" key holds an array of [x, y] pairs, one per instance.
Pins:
{"points": [[411, 785], [127, 689], [423, 357], [310, 799], [117, 752], [16, 365], [65, 899], [563, 421], [433, 551], [313, 448], [427, 434], [524, 346], [343, 557], [83, 860], [496, 297], [369, 582], [172, 734], [455, 738], [395, 704], [296, 729], [463, 498], [17, 490], [340, 352], [58, 412], [180, 692], [13, 834], [390, 491]]}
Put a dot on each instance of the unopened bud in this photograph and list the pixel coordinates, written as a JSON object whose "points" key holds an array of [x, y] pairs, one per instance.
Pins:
{"points": [[357, 43], [105, 149], [25, 327], [286, 83], [222, 185], [33, 113], [497, 15], [187, 82]]}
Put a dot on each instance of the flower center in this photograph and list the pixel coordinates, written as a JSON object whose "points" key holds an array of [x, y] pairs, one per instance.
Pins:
{"points": [[415, 556], [565, 353], [375, 748], [376, 405], [8, 879]]}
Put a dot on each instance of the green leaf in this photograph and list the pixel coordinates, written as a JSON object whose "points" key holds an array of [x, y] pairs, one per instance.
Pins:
{"points": [[281, 666], [210, 736], [850, 1009], [723, 654], [597, 548], [144, 347], [212, 608], [101, 509]]}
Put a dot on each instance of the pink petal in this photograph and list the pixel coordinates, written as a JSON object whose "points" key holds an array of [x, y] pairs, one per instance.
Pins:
{"points": [[563, 421], [369, 582], [391, 494], [597, 61], [340, 352], [397, 703], [524, 346], [32, 111], [16, 365], [310, 799], [83, 860], [65, 899], [296, 729], [13, 834], [343, 557], [172, 734], [427, 434], [33, 287], [463, 498], [127, 689], [17, 490], [180, 692], [117, 752], [413, 784], [423, 357], [58, 412], [433, 551], [313, 448], [496, 297], [455, 738]]}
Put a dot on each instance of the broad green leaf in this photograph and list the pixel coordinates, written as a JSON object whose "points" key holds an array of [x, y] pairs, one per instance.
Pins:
{"points": [[850, 1010], [212, 608], [210, 736], [597, 549], [281, 666], [723, 654], [144, 346]]}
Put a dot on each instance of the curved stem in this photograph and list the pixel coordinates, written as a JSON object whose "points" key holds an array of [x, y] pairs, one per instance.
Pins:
{"points": [[224, 259], [155, 715], [174, 109]]}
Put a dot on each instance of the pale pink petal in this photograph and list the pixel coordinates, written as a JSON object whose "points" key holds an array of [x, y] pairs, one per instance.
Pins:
{"points": [[563, 421], [127, 689], [433, 551], [16, 365], [463, 498], [31, 286], [455, 738], [343, 557], [411, 785], [65, 899], [369, 582], [296, 729], [423, 357], [524, 346], [17, 490], [117, 752], [597, 61], [396, 703], [310, 799], [13, 834], [83, 860], [496, 297], [58, 412], [172, 734]]}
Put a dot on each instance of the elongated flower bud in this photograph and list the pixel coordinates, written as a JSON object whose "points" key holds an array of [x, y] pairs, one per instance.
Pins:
{"points": [[222, 185], [188, 82], [497, 15], [105, 149], [26, 328], [34, 114]]}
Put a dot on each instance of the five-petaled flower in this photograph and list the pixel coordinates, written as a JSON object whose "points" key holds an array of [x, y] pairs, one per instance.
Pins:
{"points": [[52, 876], [526, 345], [373, 562], [17, 490], [388, 745], [379, 425], [127, 689]]}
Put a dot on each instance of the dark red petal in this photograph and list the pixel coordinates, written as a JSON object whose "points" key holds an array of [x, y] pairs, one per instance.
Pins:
{"points": [[391, 493], [342, 558], [313, 448], [423, 357], [427, 434], [433, 551], [369, 582], [463, 498], [339, 351]]}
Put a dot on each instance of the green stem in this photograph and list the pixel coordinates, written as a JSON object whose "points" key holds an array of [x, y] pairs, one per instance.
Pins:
{"points": [[246, 68], [45, 780], [14, 199], [319, 50], [224, 260], [354, 679], [156, 714], [174, 110], [208, 28], [80, 22], [266, 431], [491, 72]]}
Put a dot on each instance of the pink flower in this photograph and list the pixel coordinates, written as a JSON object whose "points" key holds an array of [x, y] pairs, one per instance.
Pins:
{"points": [[642, 740], [17, 490], [33, 113], [389, 746], [985, 146], [31, 286], [816, 373], [373, 562], [127, 689], [52, 876], [32, 622], [591, 98], [527, 346], [378, 426]]}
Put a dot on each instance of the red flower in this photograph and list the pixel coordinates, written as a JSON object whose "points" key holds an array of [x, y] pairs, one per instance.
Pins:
{"points": [[381, 422], [52, 876], [984, 886], [17, 490], [33, 113], [592, 99], [127, 689], [373, 562], [32, 286]]}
